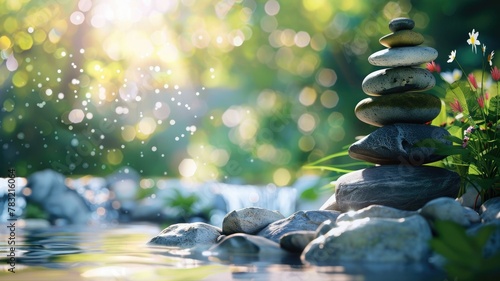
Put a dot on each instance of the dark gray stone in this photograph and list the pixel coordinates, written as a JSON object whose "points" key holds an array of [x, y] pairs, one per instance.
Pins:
{"points": [[49, 191], [296, 241], [399, 186], [187, 235], [418, 108], [395, 144], [373, 240], [397, 24], [490, 210], [403, 56], [397, 80], [249, 220], [301, 220]]}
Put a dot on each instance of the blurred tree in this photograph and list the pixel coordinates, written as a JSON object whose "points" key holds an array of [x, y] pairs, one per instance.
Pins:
{"points": [[245, 89]]}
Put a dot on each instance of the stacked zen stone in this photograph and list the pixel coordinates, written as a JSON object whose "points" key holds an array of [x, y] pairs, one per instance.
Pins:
{"points": [[400, 108]]}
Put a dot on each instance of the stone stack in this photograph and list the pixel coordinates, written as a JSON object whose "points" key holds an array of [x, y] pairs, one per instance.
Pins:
{"points": [[400, 147]]}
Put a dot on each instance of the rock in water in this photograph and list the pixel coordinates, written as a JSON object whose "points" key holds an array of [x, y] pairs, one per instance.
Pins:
{"points": [[397, 144], [249, 220], [397, 80], [398, 186], [403, 56], [372, 239], [415, 108], [49, 191], [187, 235], [301, 220]]}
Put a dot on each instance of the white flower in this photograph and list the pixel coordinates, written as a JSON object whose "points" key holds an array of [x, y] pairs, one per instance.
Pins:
{"points": [[452, 56], [451, 77], [473, 40]]}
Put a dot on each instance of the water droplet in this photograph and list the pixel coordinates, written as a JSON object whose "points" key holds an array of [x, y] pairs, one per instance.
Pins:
{"points": [[153, 148]]}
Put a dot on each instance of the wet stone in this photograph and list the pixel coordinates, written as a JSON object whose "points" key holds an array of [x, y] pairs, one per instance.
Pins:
{"points": [[187, 235], [402, 38], [418, 108], [399, 186], [301, 220], [401, 24], [397, 143], [403, 56], [296, 241], [249, 220], [397, 80], [372, 239]]}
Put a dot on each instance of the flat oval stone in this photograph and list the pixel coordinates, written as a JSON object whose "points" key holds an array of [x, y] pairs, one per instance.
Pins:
{"points": [[403, 56], [401, 24], [418, 108], [402, 38], [398, 80], [395, 144], [402, 187]]}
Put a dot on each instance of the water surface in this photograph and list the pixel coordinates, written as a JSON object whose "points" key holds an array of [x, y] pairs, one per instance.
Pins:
{"points": [[119, 252]]}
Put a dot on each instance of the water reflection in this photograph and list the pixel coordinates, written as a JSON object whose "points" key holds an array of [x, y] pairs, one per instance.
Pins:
{"points": [[119, 252]]}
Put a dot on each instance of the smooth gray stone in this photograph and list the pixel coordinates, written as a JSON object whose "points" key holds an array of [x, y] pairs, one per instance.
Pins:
{"points": [[244, 248], [417, 108], [399, 186], [301, 220], [397, 24], [49, 191], [372, 240], [396, 144], [375, 211], [445, 208], [397, 80], [249, 220], [403, 56], [490, 210], [296, 241], [187, 235]]}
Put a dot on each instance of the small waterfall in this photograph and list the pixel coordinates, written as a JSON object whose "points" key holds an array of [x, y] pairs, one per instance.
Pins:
{"points": [[282, 199]]}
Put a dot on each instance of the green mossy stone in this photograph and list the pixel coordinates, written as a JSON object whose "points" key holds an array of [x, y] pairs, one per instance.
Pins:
{"points": [[416, 108], [402, 38]]}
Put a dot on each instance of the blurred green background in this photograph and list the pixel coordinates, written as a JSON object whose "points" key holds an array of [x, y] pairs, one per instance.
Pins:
{"points": [[209, 90]]}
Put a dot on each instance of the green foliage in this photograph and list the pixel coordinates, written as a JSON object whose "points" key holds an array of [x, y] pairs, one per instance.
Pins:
{"points": [[472, 107], [464, 253], [33, 211]]}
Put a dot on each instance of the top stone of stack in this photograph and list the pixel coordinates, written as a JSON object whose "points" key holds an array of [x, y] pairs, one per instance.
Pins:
{"points": [[398, 24], [402, 35]]}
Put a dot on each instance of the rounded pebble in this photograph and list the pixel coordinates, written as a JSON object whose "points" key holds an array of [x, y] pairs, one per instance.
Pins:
{"points": [[397, 80], [403, 56], [402, 38], [401, 24], [417, 108]]}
